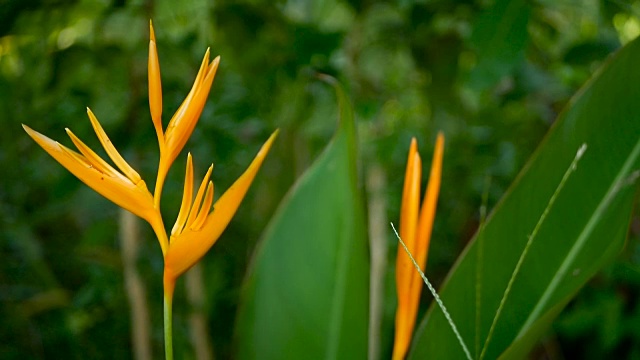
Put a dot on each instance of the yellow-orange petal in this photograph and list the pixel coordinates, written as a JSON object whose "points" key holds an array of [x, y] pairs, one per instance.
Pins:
{"points": [[187, 248], [184, 123], [204, 209], [408, 217], [184, 120], [78, 157], [187, 194], [155, 86], [111, 150], [428, 214], [92, 158], [408, 207], [152, 34], [205, 66], [196, 202], [194, 88], [133, 197], [404, 267]]}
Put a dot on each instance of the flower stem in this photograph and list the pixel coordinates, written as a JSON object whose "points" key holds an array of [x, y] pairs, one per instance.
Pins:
{"points": [[168, 336], [169, 285]]}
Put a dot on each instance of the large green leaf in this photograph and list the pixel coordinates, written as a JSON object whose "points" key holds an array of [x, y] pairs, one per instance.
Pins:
{"points": [[306, 294], [585, 227]]}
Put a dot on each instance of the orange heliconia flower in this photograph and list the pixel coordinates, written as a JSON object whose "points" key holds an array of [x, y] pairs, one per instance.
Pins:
{"points": [[197, 228], [415, 230]]}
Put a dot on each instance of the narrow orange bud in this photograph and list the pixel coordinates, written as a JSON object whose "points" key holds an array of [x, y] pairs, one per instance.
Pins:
{"points": [[155, 87], [185, 207], [415, 231], [184, 120]]}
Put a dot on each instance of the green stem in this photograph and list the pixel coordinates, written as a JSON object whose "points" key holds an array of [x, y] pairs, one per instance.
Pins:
{"points": [[168, 319]]}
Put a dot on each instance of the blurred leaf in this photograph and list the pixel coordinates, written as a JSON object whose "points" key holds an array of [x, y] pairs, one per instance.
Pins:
{"points": [[585, 228], [586, 52], [118, 28], [307, 291], [499, 37]]}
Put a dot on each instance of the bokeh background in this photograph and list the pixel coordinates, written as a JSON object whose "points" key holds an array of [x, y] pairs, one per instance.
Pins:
{"points": [[493, 75]]}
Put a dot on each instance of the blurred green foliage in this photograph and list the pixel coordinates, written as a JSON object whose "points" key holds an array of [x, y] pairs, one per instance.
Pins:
{"points": [[491, 74]]}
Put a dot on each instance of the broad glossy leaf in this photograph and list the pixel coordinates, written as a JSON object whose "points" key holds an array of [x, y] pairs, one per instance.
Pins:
{"points": [[585, 228], [306, 295]]}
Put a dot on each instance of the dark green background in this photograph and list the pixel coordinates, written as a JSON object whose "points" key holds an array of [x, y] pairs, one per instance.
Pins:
{"points": [[492, 75]]}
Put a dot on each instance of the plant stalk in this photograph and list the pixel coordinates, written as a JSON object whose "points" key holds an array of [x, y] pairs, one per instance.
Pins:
{"points": [[169, 285]]}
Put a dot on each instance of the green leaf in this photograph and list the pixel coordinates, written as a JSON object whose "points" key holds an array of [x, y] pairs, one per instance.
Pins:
{"points": [[520, 348], [585, 228], [307, 291]]}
